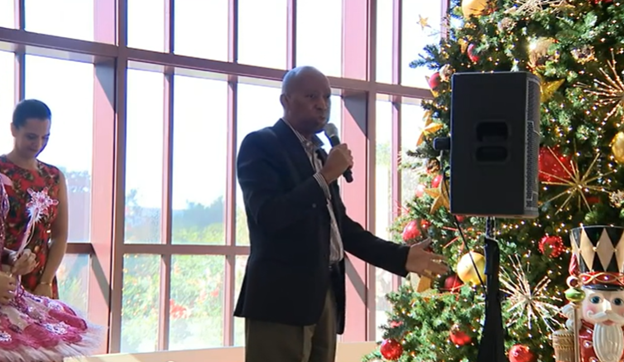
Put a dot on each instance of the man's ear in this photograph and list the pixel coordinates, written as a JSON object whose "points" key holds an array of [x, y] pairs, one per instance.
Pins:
{"points": [[13, 130], [284, 101]]}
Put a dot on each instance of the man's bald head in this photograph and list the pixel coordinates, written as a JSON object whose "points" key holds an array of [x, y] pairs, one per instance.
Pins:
{"points": [[293, 78], [305, 97]]}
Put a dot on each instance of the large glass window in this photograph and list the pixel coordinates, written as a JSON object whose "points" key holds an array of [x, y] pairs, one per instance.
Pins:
{"points": [[412, 124], [7, 101], [68, 18], [201, 28], [196, 303], [68, 91], [144, 157], [141, 307], [110, 130], [146, 24], [73, 280], [199, 160], [320, 46], [239, 323], [7, 17], [385, 54], [258, 107], [384, 204], [421, 26], [262, 39]]}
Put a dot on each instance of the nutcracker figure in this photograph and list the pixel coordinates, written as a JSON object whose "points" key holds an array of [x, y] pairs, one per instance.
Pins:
{"points": [[596, 312]]}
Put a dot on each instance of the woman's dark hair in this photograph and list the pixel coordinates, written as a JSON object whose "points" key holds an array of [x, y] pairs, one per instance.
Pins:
{"points": [[30, 108]]}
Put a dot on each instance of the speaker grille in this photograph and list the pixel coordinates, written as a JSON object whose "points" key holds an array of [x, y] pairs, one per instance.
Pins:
{"points": [[532, 144]]}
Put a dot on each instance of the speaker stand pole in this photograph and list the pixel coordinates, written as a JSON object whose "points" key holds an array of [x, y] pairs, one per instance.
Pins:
{"points": [[492, 346]]}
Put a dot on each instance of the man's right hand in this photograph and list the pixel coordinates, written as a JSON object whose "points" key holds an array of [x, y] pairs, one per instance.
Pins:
{"points": [[338, 161], [8, 286]]}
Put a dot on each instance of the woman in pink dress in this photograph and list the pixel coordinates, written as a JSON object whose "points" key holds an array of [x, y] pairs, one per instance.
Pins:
{"points": [[33, 205], [32, 178]]}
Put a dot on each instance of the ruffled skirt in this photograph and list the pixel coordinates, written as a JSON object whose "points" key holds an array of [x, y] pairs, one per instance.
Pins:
{"points": [[40, 329]]}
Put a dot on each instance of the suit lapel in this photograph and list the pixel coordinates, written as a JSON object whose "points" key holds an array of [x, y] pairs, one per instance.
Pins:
{"points": [[294, 150], [301, 162]]}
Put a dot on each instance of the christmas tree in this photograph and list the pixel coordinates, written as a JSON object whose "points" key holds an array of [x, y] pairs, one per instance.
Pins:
{"points": [[575, 47]]}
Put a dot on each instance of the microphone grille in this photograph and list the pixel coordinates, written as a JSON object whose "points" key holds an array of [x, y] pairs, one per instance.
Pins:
{"points": [[331, 130]]}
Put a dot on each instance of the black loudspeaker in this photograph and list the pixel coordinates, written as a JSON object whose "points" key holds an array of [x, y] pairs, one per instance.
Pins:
{"points": [[495, 144]]}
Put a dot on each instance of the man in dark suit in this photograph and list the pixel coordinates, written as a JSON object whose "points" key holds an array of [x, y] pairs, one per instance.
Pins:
{"points": [[293, 293]]}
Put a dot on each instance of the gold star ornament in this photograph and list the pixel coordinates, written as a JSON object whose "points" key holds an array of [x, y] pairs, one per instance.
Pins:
{"points": [[430, 127], [440, 196], [423, 22], [549, 88]]}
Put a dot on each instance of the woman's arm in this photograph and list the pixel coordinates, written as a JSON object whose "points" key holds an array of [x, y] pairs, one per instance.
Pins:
{"points": [[59, 235]]}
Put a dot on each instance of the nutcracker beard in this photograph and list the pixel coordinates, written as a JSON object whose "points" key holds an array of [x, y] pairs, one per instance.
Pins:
{"points": [[608, 339]]}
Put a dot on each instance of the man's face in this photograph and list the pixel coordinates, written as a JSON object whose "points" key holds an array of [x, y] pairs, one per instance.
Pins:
{"points": [[603, 306], [309, 103]]}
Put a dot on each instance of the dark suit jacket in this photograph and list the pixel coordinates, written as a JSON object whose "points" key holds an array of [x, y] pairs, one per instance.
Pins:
{"points": [[288, 272]]}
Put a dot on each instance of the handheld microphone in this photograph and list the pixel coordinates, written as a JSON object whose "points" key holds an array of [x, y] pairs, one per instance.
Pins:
{"points": [[331, 131]]}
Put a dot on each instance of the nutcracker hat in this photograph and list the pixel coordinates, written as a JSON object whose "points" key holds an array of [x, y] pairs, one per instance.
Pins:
{"points": [[598, 256]]}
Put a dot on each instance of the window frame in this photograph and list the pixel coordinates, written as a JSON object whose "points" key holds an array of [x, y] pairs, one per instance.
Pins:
{"points": [[111, 56]]}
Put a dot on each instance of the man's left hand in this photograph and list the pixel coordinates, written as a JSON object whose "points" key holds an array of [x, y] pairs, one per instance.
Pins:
{"points": [[425, 263], [24, 263]]}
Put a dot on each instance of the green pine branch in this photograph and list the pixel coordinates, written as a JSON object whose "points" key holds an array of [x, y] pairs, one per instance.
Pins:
{"points": [[582, 37]]}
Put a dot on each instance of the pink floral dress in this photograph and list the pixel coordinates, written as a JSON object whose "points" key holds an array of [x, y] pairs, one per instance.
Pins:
{"points": [[34, 328]]}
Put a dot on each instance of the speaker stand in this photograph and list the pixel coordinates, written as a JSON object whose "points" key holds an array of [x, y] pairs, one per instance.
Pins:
{"points": [[492, 346]]}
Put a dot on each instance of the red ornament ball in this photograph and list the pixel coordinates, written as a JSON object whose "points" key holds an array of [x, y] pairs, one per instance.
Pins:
{"points": [[521, 353], [553, 166], [420, 190], [411, 231], [551, 246], [434, 80], [391, 349], [452, 283], [472, 53], [436, 181], [460, 218], [458, 337], [592, 200]]}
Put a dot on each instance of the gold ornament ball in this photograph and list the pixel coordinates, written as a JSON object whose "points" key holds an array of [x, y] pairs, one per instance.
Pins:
{"points": [[473, 7], [466, 270], [617, 147]]}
